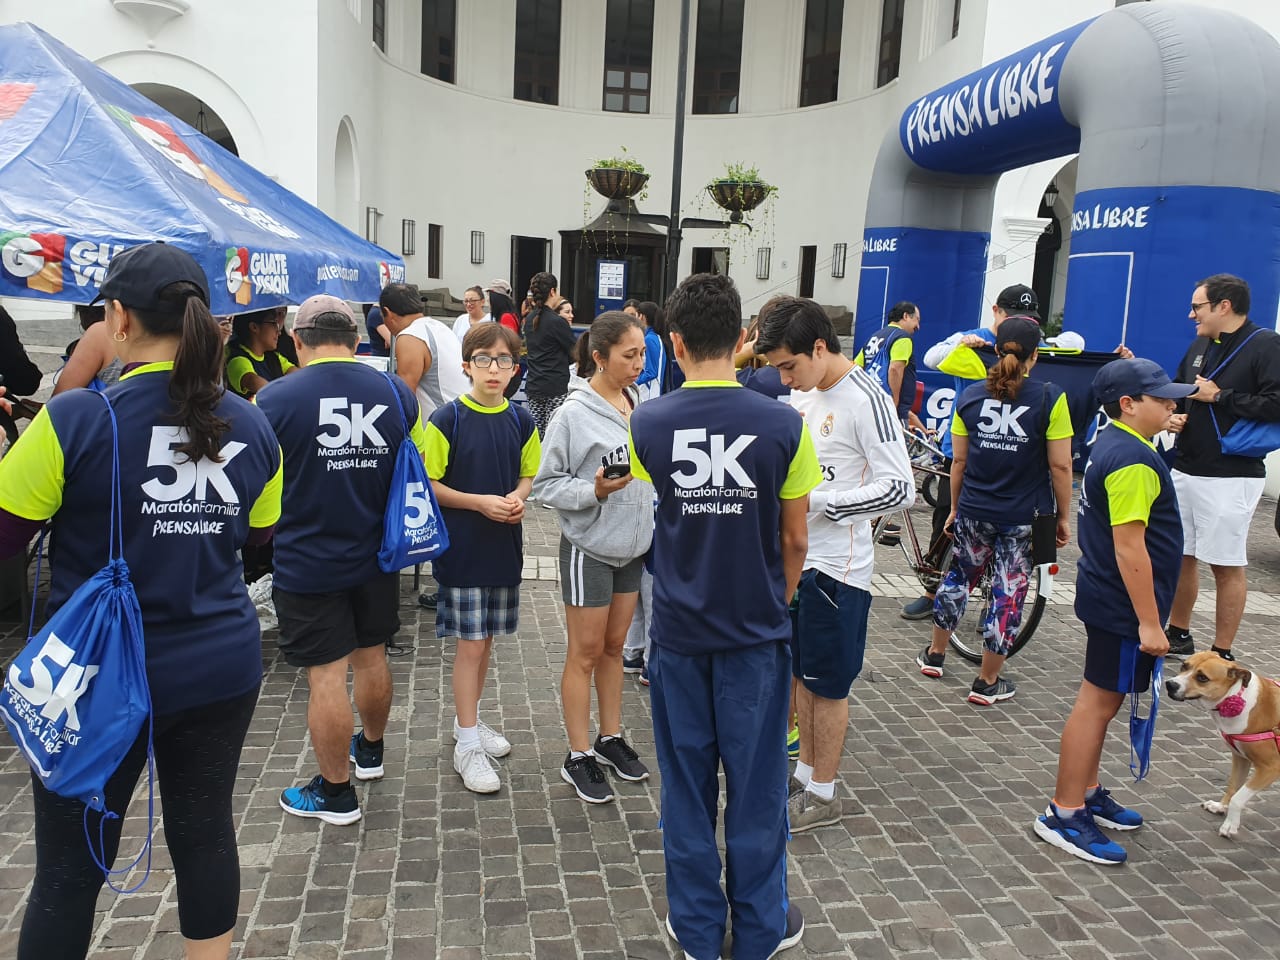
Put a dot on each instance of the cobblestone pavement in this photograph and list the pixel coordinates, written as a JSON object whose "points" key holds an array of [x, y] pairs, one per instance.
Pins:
{"points": [[937, 858]]}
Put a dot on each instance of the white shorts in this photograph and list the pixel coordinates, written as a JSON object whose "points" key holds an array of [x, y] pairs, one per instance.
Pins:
{"points": [[1215, 516]]}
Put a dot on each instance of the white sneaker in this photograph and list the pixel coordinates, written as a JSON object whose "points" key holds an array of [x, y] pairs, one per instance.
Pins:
{"points": [[495, 744], [476, 769]]}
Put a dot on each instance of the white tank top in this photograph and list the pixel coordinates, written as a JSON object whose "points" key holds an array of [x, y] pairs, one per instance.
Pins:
{"points": [[445, 381]]}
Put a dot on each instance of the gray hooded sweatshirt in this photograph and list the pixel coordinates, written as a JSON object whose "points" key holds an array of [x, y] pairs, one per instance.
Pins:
{"points": [[585, 429]]}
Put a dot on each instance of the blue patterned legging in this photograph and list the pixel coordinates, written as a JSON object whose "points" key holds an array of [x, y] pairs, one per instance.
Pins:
{"points": [[976, 543]]}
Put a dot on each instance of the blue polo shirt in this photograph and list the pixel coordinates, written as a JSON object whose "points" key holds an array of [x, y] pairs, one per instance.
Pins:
{"points": [[483, 450], [183, 523], [1125, 480], [340, 429], [720, 459]]}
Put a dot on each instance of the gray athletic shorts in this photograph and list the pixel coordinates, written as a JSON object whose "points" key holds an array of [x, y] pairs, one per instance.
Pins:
{"points": [[588, 582]]}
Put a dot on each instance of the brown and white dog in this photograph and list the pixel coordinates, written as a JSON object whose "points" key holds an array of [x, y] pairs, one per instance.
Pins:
{"points": [[1246, 710]]}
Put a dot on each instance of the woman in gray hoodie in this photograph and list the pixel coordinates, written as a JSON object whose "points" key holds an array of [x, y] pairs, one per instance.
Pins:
{"points": [[606, 525]]}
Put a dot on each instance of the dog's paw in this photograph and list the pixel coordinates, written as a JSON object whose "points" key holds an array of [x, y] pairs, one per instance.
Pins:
{"points": [[1229, 830], [1215, 806]]}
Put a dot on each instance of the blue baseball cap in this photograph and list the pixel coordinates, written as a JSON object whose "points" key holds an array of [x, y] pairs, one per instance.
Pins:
{"points": [[1137, 378]]}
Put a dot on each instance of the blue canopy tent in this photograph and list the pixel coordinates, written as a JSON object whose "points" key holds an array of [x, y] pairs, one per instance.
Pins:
{"points": [[90, 167]]}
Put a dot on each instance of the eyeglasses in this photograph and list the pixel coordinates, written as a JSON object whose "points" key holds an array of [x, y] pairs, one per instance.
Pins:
{"points": [[1195, 307], [484, 361], [470, 302]]}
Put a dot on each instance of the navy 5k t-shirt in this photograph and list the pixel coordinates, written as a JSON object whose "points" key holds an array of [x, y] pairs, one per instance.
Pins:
{"points": [[1006, 476], [720, 459], [340, 429], [183, 522]]}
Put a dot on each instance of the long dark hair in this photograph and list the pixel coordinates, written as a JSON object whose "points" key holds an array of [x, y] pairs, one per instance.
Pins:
{"points": [[540, 288], [607, 330], [499, 304], [1005, 378], [195, 386]]}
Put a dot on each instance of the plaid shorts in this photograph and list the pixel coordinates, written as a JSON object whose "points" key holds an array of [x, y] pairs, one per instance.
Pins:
{"points": [[474, 613]]}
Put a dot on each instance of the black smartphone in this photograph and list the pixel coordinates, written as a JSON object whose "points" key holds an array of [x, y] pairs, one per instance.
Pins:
{"points": [[612, 471]]}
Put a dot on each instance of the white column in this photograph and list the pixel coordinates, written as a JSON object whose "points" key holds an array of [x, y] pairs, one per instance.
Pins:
{"points": [[859, 47], [772, 46], [484, 46], [582, 54]]}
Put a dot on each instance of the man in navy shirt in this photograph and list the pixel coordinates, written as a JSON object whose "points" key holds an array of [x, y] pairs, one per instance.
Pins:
{"points": [[340, 425], [732, 471]]}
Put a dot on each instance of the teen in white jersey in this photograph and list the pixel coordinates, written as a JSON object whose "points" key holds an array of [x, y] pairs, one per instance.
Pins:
{"points": [[865, 472]]}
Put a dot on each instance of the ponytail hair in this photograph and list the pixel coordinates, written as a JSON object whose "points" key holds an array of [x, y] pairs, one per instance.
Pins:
{"points": [[540, 287], [607, 330], [195, 386], [1004, 380]]}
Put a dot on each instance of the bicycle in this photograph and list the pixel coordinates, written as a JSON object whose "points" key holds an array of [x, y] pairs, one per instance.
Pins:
{"points": [[930, 567]]}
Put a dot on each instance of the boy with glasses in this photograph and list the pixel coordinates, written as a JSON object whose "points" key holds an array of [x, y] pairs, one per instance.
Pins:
{"points": [[482, 453]]}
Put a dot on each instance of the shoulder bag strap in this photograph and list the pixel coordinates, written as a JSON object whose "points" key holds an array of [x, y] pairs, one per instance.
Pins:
{"points": [[404, 416], [1218, 369]]}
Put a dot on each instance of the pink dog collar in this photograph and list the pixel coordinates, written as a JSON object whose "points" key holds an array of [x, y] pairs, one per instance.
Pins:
{"points": [[1231, 706]]}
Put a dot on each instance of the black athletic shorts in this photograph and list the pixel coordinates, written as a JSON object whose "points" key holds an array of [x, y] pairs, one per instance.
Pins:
{"points": [[321, 628]]}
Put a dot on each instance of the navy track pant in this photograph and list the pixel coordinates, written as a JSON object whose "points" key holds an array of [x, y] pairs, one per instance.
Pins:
{"points": [[711, 710]]}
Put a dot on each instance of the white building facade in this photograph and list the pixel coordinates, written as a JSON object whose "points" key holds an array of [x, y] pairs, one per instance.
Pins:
{"points": [[387, 113]]}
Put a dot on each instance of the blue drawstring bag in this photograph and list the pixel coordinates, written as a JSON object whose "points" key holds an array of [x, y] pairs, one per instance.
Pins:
{"points": [[1246, 438], [1143, 729], [413, 530], [76, 697]]}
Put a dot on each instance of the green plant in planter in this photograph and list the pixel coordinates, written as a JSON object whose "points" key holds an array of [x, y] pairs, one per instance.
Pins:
{"points": [[624, 161], [619, 177], [740, 188]]}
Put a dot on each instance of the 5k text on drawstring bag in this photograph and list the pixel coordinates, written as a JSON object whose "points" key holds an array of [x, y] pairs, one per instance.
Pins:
{"points": [[413, 530], [76, 697]]}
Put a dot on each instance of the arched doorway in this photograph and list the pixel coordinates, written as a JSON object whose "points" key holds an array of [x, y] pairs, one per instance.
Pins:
{"points": [[346, 176], [190, 110]]}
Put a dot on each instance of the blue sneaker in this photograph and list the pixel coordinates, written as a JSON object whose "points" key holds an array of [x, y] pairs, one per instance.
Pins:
{"points": [[311, 801], [1079, 836], [1107, 812], [793, 743]]}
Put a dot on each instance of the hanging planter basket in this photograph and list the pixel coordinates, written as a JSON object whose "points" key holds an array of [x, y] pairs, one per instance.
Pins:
{"points": [[739, 196], [615, 183]]}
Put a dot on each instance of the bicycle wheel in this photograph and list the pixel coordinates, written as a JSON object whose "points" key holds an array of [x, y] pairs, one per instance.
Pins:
{"points": [[929, 489], [966, 638]]}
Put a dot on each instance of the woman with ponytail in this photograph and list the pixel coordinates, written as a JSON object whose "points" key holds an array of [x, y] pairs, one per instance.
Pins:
{"points": [[549, 342], [1011, 466], [200, 476]]}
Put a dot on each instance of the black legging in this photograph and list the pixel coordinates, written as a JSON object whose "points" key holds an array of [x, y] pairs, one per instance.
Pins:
{"points": [[197, 752]]}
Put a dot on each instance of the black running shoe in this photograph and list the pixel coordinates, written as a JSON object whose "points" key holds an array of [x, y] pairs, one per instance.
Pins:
{"points": [[586, 778], [794, 932], [1181, 643], [366, 757], [617, 753], [428, 600], [986, 695]]}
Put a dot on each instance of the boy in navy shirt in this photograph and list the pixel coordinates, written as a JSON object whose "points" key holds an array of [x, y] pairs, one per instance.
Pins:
{"points": [[732, 471], [340, 427], [482, 454], [1130, 554]]}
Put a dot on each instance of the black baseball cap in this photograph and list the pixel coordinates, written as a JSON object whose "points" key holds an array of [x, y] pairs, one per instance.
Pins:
{"points": [[1019, 299], [1023, 331], [136, 276], [1137, 378]]}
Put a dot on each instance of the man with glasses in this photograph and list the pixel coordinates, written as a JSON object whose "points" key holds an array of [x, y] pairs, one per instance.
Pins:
{"points": [[1236, 365], [473, 303]]}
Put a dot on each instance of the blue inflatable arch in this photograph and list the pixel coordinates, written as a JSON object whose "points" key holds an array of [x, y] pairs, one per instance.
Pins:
{"points": [[1171, 110]]}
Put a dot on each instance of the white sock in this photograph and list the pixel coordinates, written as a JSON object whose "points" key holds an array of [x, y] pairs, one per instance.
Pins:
{"points": [[606, 737], [579, 754], [804, 772], [467, 736], [825, 791]]}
